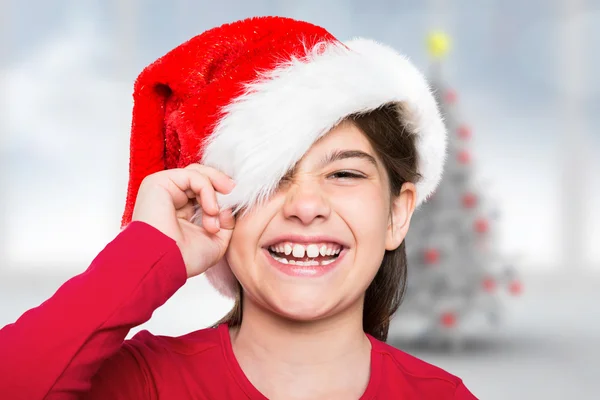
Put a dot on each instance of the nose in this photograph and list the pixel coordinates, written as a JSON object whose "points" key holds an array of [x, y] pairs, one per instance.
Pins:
{"points": [[305, 202]]}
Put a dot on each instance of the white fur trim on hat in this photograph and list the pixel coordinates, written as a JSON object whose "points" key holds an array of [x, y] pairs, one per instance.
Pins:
{"points": [[268, 129]]}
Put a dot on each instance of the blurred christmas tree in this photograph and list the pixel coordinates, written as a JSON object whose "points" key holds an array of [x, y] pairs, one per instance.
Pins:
{"points": [[456, 276]]}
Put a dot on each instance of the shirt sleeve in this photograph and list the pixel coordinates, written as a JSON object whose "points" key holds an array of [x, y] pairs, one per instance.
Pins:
{"points": [[54, 350], [462, 393]]}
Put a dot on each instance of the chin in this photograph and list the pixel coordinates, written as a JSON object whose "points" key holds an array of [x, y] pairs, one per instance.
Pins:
{"points": [[302, 304]]}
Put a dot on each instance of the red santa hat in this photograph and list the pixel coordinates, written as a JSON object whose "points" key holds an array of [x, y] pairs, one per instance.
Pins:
{"points": [[251, 97]]}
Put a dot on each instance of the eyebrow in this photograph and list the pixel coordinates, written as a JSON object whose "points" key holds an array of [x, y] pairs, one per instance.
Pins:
{"points": [[337, 155]]}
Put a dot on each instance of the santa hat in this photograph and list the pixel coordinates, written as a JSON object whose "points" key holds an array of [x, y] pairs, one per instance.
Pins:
{"points": [[251, 97]]}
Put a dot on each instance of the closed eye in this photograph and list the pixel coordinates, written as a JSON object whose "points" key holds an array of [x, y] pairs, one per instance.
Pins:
{"points": [[346, 175]]}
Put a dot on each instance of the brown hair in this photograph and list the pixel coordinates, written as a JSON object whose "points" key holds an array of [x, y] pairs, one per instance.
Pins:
{"points": [[395, 145]]}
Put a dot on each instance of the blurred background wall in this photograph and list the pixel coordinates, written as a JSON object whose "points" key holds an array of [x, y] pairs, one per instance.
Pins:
{"points": [[526, 74]]}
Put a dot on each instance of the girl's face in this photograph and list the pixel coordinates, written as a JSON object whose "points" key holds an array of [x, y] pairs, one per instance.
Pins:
{"points": [[314, 247]]}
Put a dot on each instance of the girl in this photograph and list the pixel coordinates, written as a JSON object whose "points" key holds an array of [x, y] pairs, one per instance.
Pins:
{"points": [[286, 165]]}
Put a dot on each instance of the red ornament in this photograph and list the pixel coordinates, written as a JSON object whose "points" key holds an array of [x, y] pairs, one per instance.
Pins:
{"points": [[515, 288], [464, 132], [451, 96], [481, 225], [448, 319], [432, 256], [464, 157], [489, 285], [469, 200]]}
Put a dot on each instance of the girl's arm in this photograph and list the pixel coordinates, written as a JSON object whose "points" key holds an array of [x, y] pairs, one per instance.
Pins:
{"points": [[54, 350]]}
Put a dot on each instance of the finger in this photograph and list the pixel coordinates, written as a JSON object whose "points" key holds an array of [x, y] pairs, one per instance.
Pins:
{"points": [[185, 180], [226, 219], [210, 223], [221, 182], [208, 200], [177, 185], [163, 179]]}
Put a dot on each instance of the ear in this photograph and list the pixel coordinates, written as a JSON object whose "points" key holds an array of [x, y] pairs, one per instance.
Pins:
{"points": [[401, 212]]}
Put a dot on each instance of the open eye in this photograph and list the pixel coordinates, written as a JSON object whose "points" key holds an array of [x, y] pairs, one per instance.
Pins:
{"points": [[346, 175]]}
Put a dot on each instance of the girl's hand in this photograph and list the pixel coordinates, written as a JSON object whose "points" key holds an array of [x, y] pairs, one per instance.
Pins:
{"points": [[166, 200]]}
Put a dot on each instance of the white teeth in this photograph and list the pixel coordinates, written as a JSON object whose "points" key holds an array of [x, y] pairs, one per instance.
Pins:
{"points": [[298, 251], [287, 249], [312, 250], [323, 250]]}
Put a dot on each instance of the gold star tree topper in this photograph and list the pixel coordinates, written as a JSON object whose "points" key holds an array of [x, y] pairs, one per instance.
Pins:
{"points": [[438, 44]]}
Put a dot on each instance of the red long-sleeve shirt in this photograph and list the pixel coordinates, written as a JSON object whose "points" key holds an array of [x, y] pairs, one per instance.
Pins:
{"points": [[73, 345]]}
